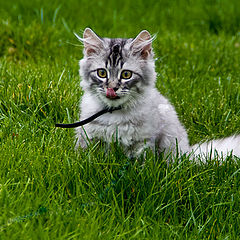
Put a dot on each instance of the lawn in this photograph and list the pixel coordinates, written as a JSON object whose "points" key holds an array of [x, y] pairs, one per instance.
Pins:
{"points": [[50, 191]]}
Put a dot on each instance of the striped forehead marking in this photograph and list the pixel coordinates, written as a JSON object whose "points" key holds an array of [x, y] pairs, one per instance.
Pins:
{"points": [[115, 56]]}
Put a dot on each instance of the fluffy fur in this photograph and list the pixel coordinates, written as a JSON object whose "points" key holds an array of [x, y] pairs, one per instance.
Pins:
{"points": [[147, 119]]}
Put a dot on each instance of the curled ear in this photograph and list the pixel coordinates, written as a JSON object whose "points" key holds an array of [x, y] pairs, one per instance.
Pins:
{"points": [[92, 43], [142, 44]]}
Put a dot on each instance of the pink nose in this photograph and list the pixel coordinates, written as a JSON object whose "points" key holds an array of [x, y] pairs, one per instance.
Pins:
{"points": [[111, 93]]}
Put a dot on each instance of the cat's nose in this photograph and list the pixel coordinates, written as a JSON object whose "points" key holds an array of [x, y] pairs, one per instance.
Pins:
{"points": [[113, 85]]}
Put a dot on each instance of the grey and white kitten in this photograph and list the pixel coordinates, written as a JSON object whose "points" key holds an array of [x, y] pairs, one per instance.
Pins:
{"points": [[121, 72]]}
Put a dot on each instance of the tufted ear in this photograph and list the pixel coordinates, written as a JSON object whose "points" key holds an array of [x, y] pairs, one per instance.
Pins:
{"points": [[142, 44], [92, 43]]}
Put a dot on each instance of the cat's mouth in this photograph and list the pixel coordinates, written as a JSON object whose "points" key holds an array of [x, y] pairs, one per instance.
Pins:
{"points": [[111, 94]]}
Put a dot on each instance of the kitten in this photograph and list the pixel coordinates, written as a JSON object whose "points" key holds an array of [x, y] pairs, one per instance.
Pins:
{"points": [[121, 73]]}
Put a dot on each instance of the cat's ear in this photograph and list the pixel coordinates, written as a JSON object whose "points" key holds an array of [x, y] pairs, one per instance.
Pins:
{"points": [[142, 44], [92, 43]]}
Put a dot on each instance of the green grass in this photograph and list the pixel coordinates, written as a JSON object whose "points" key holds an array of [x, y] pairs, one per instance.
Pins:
{"points": [[50, 191]]}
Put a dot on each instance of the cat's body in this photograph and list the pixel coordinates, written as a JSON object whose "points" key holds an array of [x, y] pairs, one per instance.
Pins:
{"points": [[121, 72], [153, 121]]}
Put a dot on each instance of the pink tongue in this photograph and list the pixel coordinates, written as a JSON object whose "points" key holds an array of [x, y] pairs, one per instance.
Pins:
{"points": [[111, 93]]}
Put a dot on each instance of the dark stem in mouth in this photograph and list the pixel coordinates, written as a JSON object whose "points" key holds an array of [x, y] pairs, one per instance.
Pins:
{"points": [[88, 120]]}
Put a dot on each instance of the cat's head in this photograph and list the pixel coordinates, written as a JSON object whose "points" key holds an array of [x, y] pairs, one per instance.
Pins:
{"points": [[117, 70]]}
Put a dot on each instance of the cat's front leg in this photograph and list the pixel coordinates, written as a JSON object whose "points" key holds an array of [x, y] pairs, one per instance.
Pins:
{"points": [[82, 139], [139, 148]]}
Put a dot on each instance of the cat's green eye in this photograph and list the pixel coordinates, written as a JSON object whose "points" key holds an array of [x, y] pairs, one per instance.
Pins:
{"points": [[102, 73], [126, 74]]}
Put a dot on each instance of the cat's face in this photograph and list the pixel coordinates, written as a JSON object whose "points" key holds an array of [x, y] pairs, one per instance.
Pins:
{"points": [[117, 71]]}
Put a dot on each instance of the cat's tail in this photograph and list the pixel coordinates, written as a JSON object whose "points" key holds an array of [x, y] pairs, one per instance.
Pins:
{"points": [[222, 148]]}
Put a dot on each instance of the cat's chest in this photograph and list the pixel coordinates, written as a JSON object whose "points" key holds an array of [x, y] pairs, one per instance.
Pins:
{"points": [[126, 129]]}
